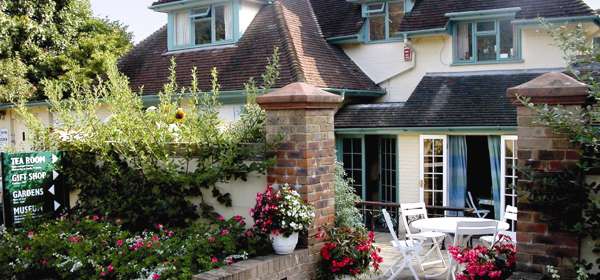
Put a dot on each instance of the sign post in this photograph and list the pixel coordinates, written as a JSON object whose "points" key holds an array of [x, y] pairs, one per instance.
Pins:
{"points": [[31, 188]]}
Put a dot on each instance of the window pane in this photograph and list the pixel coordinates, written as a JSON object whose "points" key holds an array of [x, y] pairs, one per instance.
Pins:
{"points": [[438, 181], [486, 26], [486, 47], [203, 33], [182, 29], [464, 41], [427, 147], [427, 183], [428, 197], [222, 23], [439, 147], [396, 13], [509, 148], [506, 40], [439, 199], [375, 8], [377, 28]]}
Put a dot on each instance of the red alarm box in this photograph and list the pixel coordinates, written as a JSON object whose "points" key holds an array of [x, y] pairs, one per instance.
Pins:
{"points": [[407, 53]]}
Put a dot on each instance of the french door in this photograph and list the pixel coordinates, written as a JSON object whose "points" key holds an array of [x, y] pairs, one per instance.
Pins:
{"points": [[433, 170], [388, 174], [508, 167], [351, 149]]}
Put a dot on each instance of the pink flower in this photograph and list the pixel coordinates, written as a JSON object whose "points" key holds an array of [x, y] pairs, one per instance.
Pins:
{"points": [[214, 259], [155, 276], [211, 239], [110, 268], [95, 218], [220, 218], [30, 234], [119, 243], [224, 232]]}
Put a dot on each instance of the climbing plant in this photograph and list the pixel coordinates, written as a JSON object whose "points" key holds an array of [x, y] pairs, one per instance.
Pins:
{"points": [[141, 165], [574, 201]]}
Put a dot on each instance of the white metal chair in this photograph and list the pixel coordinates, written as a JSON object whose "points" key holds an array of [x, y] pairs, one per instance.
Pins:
{"points": [[509, 215], [408, 248], [415, 211], [481, 213], [464, 231]]}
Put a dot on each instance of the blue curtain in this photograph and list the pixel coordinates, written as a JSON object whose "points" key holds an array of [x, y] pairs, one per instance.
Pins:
{"points": [[457, 170], [494, 148]]}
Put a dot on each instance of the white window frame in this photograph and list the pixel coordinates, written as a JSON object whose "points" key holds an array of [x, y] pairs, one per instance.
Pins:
{"points": [[503, 140], [382, 11], [200, 12], [444, 139]]}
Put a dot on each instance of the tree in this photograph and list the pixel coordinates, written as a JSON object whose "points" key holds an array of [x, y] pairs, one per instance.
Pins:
{"points": [[54, 40]]}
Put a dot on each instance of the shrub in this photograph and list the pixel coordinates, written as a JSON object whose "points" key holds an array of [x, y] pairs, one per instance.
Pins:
{"points": [[281, 211], [482, 263], [92, 248], [346, 213], [347, 251]]}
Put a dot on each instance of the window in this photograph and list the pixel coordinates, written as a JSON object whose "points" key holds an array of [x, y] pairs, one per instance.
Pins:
{"points": [[383, 19], [509, 171], [433, 170], [203, 25], [388, 173], [352, 158], [484, 41]]}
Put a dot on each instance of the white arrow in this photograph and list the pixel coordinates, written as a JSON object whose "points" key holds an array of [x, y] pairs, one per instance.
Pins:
{"points": [[54, 158], [54, 175], [51, 189], [56, 205]]}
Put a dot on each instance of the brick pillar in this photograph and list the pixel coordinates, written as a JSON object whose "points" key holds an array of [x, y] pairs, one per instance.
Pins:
{"points": [[539, 148], [300, 116]]}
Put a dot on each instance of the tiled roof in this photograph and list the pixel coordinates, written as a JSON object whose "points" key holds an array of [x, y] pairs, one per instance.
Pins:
{"points": [[445, 100], [429, 14], [338, 17], [288, 24], [164, 1]]}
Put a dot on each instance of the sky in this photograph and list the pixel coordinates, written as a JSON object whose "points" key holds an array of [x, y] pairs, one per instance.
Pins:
{"points": [[143, 21]]}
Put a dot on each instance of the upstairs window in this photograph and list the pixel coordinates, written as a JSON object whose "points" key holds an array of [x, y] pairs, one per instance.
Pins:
{"points": [[383, 19], [485, 41], [201, 26]]}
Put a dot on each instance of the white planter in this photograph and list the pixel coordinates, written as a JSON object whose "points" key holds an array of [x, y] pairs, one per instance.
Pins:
{"points": [[284, 245]]}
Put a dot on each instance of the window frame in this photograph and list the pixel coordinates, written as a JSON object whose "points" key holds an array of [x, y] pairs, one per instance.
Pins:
{"points": [[233, 15], [514, 172], [475, 34], [386, 15]]}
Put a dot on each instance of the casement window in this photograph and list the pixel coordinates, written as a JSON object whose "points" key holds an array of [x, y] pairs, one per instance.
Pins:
{"points": [[433, 170], [508, 167], [202, 26], [485, 41], [383, 19]]}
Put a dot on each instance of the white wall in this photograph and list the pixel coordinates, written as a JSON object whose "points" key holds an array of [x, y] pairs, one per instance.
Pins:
{"points": [[434, 54], [248, 10]]}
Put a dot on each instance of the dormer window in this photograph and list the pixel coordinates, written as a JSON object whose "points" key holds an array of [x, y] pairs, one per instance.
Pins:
{"points": [[202, 26], [484, 41], [383, 20]]}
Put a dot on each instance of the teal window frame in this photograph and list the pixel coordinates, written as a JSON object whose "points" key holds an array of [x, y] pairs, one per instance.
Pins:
{"points": [[386, 14], [474, 35], [234, 10]]}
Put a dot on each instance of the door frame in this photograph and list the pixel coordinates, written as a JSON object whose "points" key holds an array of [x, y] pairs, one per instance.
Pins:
{"points": [[340, 157], [444, 139]]}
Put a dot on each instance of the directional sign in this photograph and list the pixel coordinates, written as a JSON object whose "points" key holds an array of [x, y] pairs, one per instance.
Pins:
{"points": [[31, 186]]}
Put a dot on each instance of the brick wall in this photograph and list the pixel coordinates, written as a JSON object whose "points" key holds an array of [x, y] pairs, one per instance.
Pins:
{"points": [[539, 148]]}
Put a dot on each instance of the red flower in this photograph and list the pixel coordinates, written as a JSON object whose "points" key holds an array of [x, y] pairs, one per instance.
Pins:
{"points": [[214, 259], [119, 243], [211, 239], [224, 232], [155, 276]]}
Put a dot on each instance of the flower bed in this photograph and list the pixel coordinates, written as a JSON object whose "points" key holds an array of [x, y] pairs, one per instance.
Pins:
{"points": [[347, 252], [94, 249], [483, 263]]}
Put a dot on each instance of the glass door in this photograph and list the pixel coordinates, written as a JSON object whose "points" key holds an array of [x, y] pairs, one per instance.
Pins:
{"points": [[508, 167], [351, 149], [388, 181], [433, 170]]}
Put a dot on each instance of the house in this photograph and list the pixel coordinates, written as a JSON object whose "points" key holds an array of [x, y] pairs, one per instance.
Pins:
{"points": [[424, 81]]}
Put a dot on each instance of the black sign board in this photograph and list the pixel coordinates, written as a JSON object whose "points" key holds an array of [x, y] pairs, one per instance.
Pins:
{"points": [[31, 186]]}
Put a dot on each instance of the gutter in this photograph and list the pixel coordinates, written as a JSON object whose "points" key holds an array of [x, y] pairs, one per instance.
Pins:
{"points": [[356, 92], [396, 130], [594, 18]]}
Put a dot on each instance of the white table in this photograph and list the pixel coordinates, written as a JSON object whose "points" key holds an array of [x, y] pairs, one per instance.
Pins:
{"points": [[448, 224]]}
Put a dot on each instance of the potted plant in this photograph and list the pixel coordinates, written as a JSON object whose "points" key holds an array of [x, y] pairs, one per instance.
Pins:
{"points": [[281, 214], [483, 263], [347, 253]]}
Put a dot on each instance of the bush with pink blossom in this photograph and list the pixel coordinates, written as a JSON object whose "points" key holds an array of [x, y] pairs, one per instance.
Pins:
{"points": [[483, 263]]}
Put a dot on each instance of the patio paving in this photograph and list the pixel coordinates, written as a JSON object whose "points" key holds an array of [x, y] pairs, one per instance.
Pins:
{"points": [[389, 254]]}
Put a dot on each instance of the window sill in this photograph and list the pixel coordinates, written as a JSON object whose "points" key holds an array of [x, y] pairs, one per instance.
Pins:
{"points": [[508, 61], [221, 45]]}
